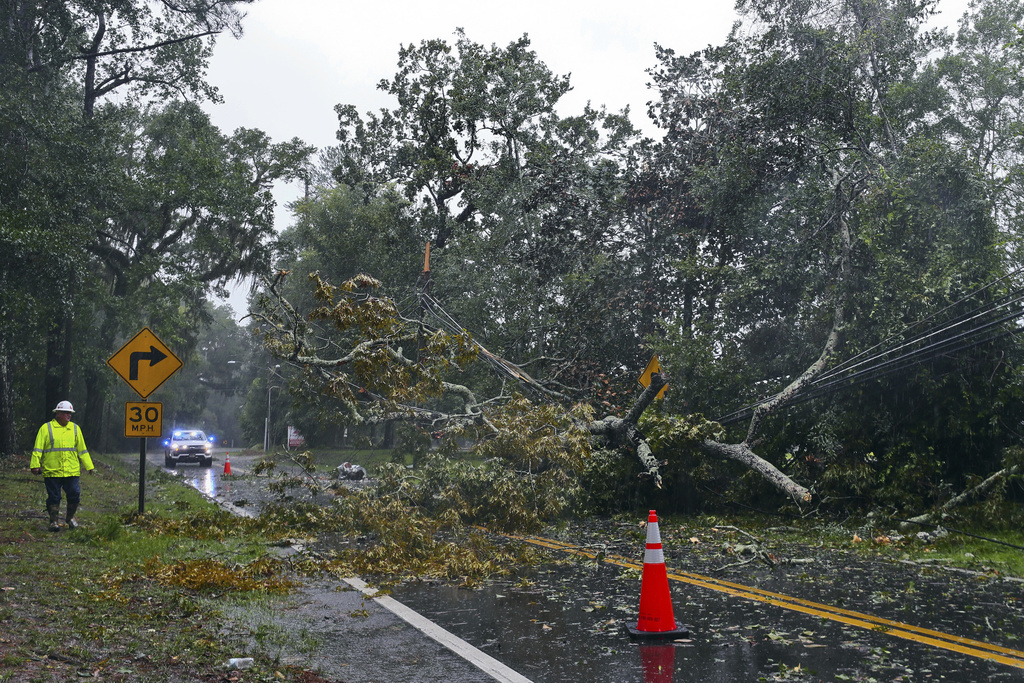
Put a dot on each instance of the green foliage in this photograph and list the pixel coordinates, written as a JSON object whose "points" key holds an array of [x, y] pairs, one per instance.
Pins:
{"points": [[341, 234], [521, 206], [786, 204], [391, 537], [668, 433], [533, 436], [116, 215], [102, 588], [205, 524], [608, 484], [768, 160], [490, 494]]}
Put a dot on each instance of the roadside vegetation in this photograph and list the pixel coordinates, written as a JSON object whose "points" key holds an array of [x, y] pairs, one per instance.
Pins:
{"points": [[138, 598], [118, 597], [446, 493]]}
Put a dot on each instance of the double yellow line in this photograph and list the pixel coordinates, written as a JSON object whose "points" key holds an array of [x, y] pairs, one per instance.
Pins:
{"points": [[973, 648]]}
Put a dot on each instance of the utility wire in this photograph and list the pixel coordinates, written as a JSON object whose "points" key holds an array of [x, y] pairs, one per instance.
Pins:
{"points": [[845, 366], [969, 295], [501, 366], [871, 374], [908, 359]]}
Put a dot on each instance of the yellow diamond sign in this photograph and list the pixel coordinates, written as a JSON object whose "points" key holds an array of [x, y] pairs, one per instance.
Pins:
{"points": [[144, 363], [645, 379]]}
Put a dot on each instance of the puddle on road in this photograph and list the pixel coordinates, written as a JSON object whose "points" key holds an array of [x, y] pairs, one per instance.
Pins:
{"points": [[568, 627], [206, 480]]}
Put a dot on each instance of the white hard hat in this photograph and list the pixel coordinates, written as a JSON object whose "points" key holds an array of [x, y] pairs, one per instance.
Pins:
{"points": [[64, 407]]}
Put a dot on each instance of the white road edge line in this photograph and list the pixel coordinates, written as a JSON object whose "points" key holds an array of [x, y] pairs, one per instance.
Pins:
{"points": [[481, 660]]}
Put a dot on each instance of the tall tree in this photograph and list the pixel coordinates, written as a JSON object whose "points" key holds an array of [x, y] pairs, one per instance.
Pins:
{"points": [[193, 211], [150, 47], [828, 211], [102, 183], [981, 77], [132, 47], [44, 179], [520, 204]]}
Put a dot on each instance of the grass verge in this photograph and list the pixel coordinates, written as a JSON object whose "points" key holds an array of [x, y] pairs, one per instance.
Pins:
{"points": [[124, 597]]}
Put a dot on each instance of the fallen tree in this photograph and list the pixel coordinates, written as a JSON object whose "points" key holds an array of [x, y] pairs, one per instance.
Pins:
{"points": [[380, 366]]}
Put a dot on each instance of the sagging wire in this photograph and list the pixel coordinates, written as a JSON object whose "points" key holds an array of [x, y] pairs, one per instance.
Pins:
{"points": [[503, 367], [936, 314], [971, 315], [842, 378]]}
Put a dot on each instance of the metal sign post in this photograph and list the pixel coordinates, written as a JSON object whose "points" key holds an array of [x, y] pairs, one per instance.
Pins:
{"points": [[142, 419], [142, 475], [144, 363]]}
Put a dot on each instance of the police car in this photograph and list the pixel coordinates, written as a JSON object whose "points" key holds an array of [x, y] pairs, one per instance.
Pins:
{"points": [[188, 445]]}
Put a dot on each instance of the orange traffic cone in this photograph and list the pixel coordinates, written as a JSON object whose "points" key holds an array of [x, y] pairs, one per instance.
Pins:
{"points": [[656, 619], [227, 464]]}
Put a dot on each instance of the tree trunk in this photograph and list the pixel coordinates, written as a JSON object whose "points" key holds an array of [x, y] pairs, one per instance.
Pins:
{"points": [[58, 362], [388, 439], [8, 439], [742, 454], [966, 496], [95, 404]]}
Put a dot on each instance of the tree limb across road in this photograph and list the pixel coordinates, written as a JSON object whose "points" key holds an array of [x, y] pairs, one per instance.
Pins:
{"points": [[380, 365]]}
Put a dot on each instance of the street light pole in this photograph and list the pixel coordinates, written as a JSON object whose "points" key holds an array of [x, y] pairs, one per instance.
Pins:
{"points": [[266, 423]]}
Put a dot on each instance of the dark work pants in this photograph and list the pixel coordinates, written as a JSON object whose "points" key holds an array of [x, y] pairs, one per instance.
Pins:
{"points": [[71, 485]]}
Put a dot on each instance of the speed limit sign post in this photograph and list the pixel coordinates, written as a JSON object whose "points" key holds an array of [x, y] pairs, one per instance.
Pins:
{"points": [[142, 419]]}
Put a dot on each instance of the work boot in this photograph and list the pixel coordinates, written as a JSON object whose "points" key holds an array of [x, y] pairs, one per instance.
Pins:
{"points": [[53, 510], [70, 517]]}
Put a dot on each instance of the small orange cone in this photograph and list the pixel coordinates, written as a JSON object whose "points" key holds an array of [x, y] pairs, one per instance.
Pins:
{"points": [[227, 464], [656, 619]]}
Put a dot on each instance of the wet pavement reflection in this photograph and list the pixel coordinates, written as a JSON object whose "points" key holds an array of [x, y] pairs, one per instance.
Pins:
{"points": [[207, 480], [204, 479], [568, 626], [565, 621]]}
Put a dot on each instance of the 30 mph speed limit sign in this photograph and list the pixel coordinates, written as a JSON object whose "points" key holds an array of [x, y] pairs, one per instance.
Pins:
{"points": [[142, 419]]}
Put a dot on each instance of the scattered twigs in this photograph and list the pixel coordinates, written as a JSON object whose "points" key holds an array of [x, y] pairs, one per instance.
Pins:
{"points": [[755, 549]]}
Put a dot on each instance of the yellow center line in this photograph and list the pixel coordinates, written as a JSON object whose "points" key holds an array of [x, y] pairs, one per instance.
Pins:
{"points": [[967, 646]]}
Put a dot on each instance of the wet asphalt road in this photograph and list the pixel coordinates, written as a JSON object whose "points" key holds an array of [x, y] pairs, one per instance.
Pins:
{"points": [[564, 622]]}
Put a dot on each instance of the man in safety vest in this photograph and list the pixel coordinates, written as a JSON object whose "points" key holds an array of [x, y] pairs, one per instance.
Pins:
{"points": [[58, 455]]}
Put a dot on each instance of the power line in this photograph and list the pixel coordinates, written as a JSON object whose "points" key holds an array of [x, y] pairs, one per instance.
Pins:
{"points": [[873, 367], [967, 317]]}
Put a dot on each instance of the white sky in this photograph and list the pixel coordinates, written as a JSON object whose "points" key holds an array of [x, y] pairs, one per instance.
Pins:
{"points": [[299, 58]]}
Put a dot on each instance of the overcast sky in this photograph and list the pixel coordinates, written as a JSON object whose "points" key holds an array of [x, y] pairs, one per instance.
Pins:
{"points": [[299, 58]]}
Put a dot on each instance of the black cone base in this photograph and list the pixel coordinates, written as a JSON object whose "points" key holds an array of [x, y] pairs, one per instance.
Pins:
{"points": [[636, 634]]}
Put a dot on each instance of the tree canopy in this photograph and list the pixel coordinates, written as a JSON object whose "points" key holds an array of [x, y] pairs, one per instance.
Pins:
{"points": [[116, 212], [820, 244], [815, 251]]}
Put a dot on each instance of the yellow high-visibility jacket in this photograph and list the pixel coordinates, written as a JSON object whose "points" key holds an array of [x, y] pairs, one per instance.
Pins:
{"points": [[59, 450]]}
